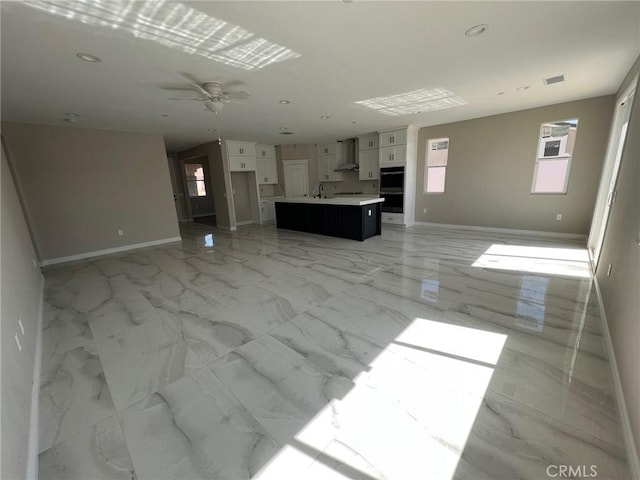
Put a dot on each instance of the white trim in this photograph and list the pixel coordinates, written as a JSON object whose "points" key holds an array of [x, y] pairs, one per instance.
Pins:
{"points": [[107, 251], [536, 233], [34, 420], [625, 422], [246, 222]]}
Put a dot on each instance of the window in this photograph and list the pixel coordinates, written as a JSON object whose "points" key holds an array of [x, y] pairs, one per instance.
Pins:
{"points": [[436, 159], [553, 158], [195, 179]]}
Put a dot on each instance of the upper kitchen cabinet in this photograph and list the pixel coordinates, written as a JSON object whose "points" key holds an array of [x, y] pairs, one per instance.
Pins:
{"points": [[241, 155], [394, 137], [329, 157], [236, 148], [393, 147], [242, 164], [368, 142], [267, 165], [368, 157]]}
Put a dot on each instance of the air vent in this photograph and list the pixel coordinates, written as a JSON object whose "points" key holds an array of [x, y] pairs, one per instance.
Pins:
{"points": [[286, 133], [552, 80]]}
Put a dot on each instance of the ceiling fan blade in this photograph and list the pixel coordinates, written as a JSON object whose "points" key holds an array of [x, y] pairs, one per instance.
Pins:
{"points": [[234, 83], [196, 99], [236, 95], [190, 78]]}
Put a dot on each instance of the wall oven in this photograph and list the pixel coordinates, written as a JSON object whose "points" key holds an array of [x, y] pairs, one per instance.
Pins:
{"points": [[392, 189]]}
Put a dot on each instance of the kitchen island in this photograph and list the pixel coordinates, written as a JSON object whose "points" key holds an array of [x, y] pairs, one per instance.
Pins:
{"points": [[357, 218]]}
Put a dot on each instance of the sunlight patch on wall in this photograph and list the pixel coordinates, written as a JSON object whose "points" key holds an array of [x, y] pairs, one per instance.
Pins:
{"points": [[174, 25]]}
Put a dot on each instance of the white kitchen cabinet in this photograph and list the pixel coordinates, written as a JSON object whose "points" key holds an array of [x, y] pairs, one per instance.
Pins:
{"points": [[242, 164], [329, 157], [368, 142], [267, 211], [267, 170], [393, 155], [329, 149], [394, 137], [265, 151], [369, 166], [236, 148]]}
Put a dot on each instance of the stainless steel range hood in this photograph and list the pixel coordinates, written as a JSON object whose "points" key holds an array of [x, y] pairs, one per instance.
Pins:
{"points": [[349, 154], [347, 167]]}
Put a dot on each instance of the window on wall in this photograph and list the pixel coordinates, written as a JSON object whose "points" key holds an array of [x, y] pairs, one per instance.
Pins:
{"points": [[553, 158], [436, 158], [195, 179]]}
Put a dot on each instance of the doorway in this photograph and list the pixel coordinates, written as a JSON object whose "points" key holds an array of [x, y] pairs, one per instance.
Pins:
{"points": [[296, 178], [607, 190], [199, 189]]}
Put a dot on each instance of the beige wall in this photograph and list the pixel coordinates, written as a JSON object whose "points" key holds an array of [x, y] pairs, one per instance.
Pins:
{"points": [[297, 152], [220, 181], [21, 286], [351, 182], [490, 170], [621, 290], [81, 186]]}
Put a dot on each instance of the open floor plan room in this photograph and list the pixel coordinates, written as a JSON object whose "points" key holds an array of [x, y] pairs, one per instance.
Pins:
{"points": [[423, 353]]}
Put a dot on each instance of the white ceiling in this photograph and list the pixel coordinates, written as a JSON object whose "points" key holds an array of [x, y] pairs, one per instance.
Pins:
{"points": [[348, 52]]}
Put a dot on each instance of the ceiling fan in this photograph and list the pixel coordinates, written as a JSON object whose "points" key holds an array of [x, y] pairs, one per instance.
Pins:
{"points": [[213, 94]]}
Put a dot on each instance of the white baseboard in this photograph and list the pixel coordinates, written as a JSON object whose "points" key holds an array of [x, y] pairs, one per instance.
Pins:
{"points": [[627, 433], [34, 420], [248, 222], [108, 251], [536, 233]]}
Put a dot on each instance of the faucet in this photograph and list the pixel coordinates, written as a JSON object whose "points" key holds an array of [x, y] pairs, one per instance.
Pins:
{"points": [[320, 190]]}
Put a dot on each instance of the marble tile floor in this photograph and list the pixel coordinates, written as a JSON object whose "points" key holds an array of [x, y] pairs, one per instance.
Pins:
{"points": [[425, 353]]}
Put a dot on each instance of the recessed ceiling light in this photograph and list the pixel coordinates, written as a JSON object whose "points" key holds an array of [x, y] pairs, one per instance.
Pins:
{"points": [[72, 115], [324, 117], [165, 115], [286, 133], [284, 102], [283, 128], [524, 87], [477, 30], [354, 122], [500, 93], [87, 57], [417, 101]]}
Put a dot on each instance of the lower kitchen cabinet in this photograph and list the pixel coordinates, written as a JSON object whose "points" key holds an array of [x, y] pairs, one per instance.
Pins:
{"points": [[345, 221]]}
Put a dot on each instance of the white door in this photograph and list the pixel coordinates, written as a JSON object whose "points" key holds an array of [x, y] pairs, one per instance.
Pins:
{"points": [[296, 178], [607, 191]]}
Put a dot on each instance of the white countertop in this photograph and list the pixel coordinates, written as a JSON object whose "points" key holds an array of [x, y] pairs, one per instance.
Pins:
{"points": [[340, 200]]}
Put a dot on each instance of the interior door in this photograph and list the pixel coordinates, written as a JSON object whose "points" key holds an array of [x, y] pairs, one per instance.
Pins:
{"points": [[296, 178], [607, 191]]}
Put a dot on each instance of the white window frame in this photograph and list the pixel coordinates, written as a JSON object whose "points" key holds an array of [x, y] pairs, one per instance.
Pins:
{"points": [[428, 144], [540, 160]]}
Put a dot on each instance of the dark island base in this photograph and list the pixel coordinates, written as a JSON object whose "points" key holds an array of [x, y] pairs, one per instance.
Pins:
{"points": [[344, 221]]}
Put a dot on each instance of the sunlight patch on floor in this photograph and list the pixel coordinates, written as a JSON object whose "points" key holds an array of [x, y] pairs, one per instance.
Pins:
{"points": [[572, 262], [417, 403]]}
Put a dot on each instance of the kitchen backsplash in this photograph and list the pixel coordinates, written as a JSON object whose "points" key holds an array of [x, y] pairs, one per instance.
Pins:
{"points": [[351, 183]]}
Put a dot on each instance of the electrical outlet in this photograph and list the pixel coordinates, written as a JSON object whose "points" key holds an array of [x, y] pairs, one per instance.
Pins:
{"points": [[424, 210], [559, 217], [120, 232]]}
